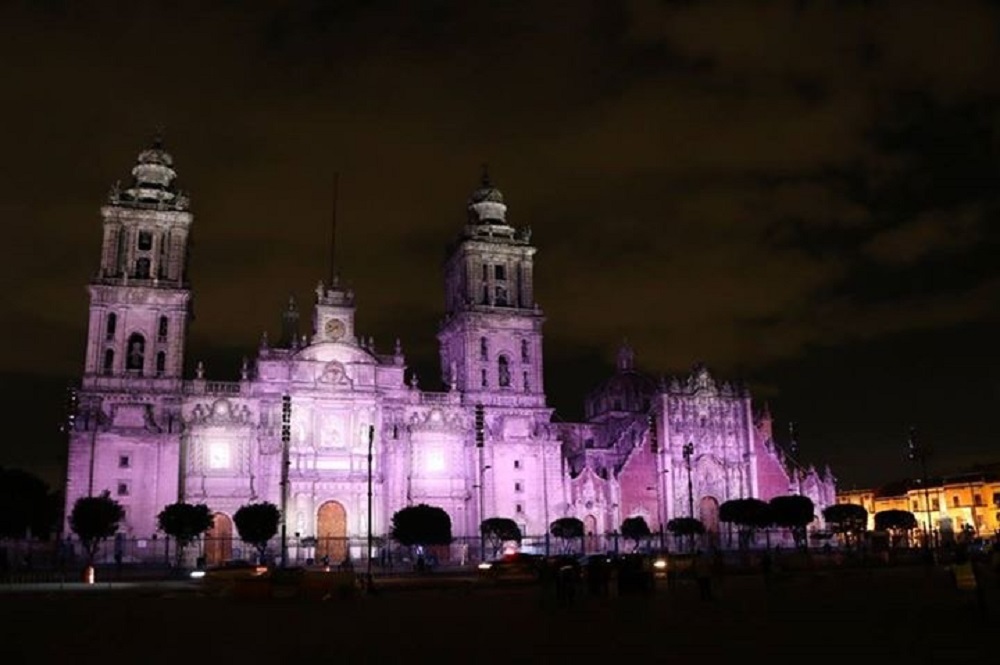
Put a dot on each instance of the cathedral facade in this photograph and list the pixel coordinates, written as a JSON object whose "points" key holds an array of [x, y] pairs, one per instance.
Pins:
{"points": [[312, 418]]}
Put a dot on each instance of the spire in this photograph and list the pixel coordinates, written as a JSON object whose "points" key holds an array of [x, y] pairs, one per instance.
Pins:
{"points": [[289, 324], [626, 357], [153, 180]]}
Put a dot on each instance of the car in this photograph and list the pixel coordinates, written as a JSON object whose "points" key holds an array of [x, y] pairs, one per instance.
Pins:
{"points": [[518, 566], [229, 571]]}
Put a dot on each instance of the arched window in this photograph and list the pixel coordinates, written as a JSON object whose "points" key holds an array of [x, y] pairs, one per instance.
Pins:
{"points": [[503, 372], [527, 386], [484, 349], [161, 363], [161, 331], [525, 351], [142, 268], [136, 353], [484, 381], [109, 362], [112, 324]]}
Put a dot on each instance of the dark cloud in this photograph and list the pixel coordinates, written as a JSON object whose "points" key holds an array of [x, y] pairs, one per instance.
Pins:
{"points": [[762, 186]]}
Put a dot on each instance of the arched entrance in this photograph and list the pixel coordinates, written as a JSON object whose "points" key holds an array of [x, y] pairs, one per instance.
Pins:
{"points": [[331, 532], [708, 513], [590, 533], [219, 540]]}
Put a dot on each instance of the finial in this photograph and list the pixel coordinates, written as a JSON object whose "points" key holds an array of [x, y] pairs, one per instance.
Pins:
{"points": [[486, 175], [244, 369], [319, 290], [158, 137], [398, 350], [199, 370], [414, 382], [264, 345]]}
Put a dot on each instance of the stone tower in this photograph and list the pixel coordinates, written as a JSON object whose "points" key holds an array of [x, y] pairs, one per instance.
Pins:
{"points": [[126, 433], [491, 337]]}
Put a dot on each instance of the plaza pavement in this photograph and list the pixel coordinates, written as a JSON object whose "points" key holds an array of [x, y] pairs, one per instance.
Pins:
{"points": [[912, 615]]}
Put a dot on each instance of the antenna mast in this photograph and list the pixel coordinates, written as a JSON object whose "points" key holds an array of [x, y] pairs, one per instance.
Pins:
{"points": [[333, 232]]}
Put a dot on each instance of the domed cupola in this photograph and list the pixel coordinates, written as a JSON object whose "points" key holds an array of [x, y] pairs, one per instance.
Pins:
{"points": [[628, 391], [486, 204], [152, 181]]}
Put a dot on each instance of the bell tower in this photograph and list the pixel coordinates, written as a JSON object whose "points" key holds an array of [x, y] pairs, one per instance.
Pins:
{"points": [[491, 337], [139, 297]]}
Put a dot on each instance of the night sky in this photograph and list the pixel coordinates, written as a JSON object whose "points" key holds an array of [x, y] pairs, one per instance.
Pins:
{"points": [[800, 194]]}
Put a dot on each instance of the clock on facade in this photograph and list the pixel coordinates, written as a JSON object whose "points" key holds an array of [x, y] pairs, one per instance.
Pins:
{"points": [[335, 328]]}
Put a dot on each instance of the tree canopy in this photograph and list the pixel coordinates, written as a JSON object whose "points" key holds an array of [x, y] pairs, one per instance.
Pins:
{"points": [[895, 520], [257, 523], [846, 518], [421, 525], [636, 530], [685, 526], [794, 512], [567, 528], [748, 515], [499, 530], [95, 519], [184, 522]]}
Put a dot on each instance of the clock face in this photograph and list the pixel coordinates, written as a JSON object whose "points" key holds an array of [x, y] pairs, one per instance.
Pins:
{"points": [[335, 328]]}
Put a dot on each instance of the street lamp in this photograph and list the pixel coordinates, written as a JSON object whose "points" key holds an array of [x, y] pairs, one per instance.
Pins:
{"points": [[688, 451], [482, 507], [917, 452]]}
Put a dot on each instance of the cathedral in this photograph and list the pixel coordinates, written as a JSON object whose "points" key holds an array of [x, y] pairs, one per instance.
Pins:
{"points": [[314, 417]]}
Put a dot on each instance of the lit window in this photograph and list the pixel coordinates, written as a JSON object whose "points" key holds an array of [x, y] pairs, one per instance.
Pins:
{"points": [[124, 462], [218, 455], [122, 488]]}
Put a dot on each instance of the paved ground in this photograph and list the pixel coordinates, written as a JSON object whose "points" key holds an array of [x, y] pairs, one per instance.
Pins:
{"points": [[844, 617]]}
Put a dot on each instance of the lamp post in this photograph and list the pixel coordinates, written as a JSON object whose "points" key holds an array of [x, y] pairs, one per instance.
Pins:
{"points": [[688, 451], [917, 452], [368, 573]]}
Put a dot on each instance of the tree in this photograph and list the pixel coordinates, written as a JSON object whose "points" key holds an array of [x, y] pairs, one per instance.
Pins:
{"points": [[636, 530], [685, 526], [421, 525], [27, 507], [849, 519], [95, 519], [185, 522], [747, 514], [567, 529], [499, 530], [794, 512], [257, 523], [895, 520]]}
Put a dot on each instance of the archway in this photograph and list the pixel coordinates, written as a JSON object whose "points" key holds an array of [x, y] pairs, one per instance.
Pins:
{"points": [[331, 532], [590, 533], [708, 513], [219, 540]]}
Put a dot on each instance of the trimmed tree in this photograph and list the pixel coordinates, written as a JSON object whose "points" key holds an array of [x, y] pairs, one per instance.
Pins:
{"points": [[793, 512], [686, 526], [567, 529], [257, 523], [636, 530], [95, 519], [184, 522], [421, 525], [848, 519], [499, 530], [895, 521], [748, 515]]}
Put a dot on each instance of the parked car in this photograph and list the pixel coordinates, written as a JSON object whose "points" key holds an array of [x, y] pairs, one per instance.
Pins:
{"points": [[519, 566]]}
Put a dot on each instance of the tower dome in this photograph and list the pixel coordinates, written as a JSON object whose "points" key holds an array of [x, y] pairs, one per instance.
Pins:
{"points": [[153, 179], [486, 205]]}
